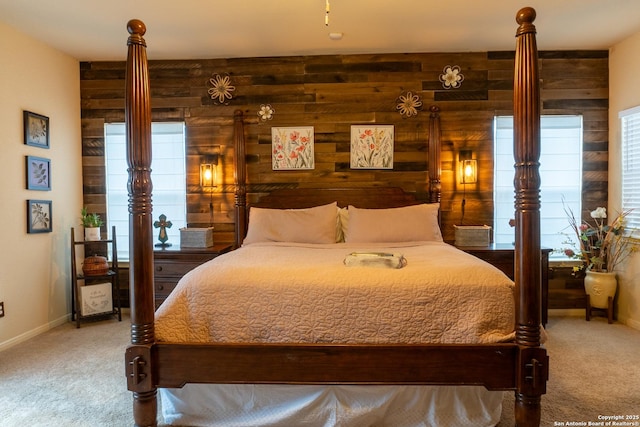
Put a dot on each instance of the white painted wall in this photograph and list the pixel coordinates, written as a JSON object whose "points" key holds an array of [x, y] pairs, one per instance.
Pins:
{"points": [[34, 268], [624, 93]]}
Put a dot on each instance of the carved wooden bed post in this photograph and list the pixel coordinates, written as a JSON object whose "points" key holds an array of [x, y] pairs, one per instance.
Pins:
{"points": [[240, 178], [138, 125], [532, 369], [435, 188]]}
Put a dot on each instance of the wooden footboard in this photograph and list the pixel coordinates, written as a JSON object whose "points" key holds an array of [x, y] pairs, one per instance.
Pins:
{"points": [[521, 366]]}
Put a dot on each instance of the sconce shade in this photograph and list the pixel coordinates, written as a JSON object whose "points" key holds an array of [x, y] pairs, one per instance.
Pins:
{"points": [[207, 175], [469, 171]]}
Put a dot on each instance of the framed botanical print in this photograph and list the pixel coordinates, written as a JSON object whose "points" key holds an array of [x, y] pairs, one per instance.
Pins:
{"points": [[292, 148], [372, 146], [38, 170], [39, 216], [36, 129]]}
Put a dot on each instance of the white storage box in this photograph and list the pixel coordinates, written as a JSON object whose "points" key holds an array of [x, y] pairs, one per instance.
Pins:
{"points": [[196, 237], [472, 235]]}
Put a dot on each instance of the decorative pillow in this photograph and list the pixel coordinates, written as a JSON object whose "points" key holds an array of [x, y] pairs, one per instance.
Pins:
{"points": [[310, 225], [341, 224], [406, 224]]}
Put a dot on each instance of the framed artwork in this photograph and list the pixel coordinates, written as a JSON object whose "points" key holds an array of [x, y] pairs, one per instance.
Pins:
{"points": [[96, 299], [36, 129], [292, 148], [38, 171], [39, 216], [372, 147]]}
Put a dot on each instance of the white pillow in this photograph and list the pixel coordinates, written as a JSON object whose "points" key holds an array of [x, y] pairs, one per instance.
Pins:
{"points": [[414, 223], [310, 225]]}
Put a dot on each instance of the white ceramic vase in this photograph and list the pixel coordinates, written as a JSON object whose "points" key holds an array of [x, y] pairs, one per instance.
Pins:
{"points": [[600, 286], [91, 234]]}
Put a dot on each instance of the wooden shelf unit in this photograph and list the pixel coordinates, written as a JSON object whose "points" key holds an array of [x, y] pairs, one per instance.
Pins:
{"points": [[79, 280]]}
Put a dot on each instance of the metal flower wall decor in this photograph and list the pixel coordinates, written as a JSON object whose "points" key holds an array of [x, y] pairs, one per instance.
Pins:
{"points": [[409, 104], [221, 89], [451, 77], [266, 112]]}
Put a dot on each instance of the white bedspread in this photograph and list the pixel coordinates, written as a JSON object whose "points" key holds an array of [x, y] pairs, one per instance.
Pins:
{"points": [[304, 293]]}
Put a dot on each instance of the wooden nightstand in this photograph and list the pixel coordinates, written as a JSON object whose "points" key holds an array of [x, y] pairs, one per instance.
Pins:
{"points": [[173, 262], [502, 256]]}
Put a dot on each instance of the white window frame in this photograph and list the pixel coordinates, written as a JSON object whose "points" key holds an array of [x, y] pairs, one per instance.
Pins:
{"points": [[168, 174], [560, 167], [630, 166]]}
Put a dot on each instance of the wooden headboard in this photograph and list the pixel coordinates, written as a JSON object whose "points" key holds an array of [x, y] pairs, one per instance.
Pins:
{"points": [[375, 197]]}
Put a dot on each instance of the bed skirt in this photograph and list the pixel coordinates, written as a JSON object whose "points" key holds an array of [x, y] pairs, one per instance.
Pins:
{"points": [[249, 405]]}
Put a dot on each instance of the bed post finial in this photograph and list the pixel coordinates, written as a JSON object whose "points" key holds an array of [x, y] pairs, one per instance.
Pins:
{"points": [[525, 18], [138, 142], [532, 368], [136, 26]]}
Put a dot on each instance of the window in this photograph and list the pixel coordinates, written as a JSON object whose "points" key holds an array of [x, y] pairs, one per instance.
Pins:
{"points": [[630, 148], [560, 176], [167, 173]]}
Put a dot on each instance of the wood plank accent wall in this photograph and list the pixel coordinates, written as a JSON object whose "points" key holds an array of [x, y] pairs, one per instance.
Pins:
{"points": [[333, 92]]}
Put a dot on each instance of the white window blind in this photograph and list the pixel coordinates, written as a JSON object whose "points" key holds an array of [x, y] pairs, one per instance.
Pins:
{"points": [[630, 148], [560, 175], [167, 174]]}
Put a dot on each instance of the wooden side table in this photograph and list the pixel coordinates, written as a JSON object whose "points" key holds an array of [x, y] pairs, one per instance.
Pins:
{"points": [[502, 257], [173, 262]]}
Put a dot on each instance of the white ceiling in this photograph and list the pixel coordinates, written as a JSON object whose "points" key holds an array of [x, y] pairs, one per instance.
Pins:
{"points": [[187, 29]]}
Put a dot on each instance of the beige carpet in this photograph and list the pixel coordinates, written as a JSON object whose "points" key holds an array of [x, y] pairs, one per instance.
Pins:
{"points": [[595, 371]]}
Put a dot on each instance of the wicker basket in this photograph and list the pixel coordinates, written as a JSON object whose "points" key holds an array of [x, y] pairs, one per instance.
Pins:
{"points": [[95, 266]]}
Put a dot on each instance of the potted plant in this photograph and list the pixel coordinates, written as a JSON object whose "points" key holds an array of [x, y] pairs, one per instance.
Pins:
{"points": [[601, 247], [92, 223]]}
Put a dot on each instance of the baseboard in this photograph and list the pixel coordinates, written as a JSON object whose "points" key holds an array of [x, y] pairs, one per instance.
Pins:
{"points": [[633, 324], [569, 312], [34, 332]]}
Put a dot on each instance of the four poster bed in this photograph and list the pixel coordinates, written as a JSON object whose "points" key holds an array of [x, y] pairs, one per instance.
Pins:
{"points": [[328, 348]]}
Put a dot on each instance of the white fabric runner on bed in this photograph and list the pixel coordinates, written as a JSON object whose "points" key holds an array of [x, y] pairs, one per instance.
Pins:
{"points": [[303, 293]]}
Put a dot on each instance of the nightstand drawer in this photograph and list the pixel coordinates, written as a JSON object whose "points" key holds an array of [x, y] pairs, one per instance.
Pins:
{"points": [[173, 269], [164, 287]]}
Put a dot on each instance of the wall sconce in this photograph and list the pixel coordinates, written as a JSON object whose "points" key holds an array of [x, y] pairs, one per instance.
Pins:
{"points": [[208, 170], [468, 173], [208, 174], [468, 167], [208, 177]]}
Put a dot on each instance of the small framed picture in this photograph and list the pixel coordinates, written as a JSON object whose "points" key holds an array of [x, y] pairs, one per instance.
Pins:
{"points": [[292, 148], [38, 173], [39, 217], [36, 130], [372, 146]]}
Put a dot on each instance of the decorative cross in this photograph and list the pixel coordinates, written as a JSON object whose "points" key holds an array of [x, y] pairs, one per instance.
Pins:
{"points": [[163, 224]]}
